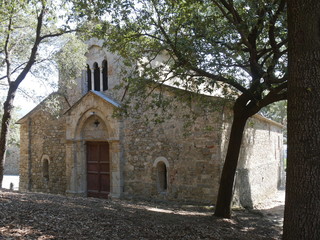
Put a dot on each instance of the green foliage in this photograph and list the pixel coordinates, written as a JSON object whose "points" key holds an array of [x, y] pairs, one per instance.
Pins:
{"points": [[238, 47], [28, 34], [250, 123], [53, 105], [19, 37], [14, 132], [71, 60], [276, 112]]}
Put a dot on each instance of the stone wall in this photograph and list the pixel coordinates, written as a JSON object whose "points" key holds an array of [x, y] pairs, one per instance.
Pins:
{"points": [[189, 144], [194, 150], [24, 155], [42, 164], [81, 128], [11, 164], [189, 140], [259, 169]]}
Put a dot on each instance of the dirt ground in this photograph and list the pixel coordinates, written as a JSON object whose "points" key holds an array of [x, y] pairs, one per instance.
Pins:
{"points": [[46, 216]]}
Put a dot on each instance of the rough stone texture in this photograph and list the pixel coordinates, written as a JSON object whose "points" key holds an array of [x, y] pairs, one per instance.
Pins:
{"points": [[190, 139], [191, 148], [259, 168], [12, 161], [80, 121], [195, 151], [43, 136]]}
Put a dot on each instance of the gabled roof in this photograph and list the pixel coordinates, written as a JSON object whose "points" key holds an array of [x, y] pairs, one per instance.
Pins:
{"points": [[106, 98], [97, 94]]}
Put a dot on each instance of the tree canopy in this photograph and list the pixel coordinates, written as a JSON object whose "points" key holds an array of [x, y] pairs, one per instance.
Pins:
{"points": [[30, 27], [27, 31], [237, 44]]}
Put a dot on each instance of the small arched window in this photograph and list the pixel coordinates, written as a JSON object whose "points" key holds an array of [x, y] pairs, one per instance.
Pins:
{"points": [[89, 79], [45, 167], [162, 176], [96, 75], [161, 166], [105, 75]]}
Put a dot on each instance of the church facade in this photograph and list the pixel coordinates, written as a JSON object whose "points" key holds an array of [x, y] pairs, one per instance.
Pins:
{"points": [[85, 150]]}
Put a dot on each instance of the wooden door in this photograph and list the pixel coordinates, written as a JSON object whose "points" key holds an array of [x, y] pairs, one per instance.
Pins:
{"points": [[98, 169]]}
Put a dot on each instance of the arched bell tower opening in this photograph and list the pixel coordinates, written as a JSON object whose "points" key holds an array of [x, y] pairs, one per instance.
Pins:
{"points": [[89, 78], [96, 74], [105, 75], [98, 69]]}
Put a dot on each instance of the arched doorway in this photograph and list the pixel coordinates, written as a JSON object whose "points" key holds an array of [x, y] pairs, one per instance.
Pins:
{"points": [[93, 132], [98, 169]]}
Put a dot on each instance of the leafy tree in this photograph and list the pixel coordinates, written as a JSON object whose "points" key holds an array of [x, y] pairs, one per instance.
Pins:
{"points": [[237, 46], [27, 31], [277, 112], [71, 59], [302, 213]]}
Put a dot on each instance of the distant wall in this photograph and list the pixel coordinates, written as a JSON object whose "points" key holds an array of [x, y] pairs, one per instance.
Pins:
{"points": [[259, 169], [11, 164]]}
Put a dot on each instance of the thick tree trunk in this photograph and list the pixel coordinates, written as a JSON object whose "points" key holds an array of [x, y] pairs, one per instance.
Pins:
{"points": [[223, 205], [302, 205], [6, 118]]}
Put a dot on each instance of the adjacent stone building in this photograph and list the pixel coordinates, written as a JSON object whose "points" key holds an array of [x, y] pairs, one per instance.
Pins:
{"points": [[83, 149]]}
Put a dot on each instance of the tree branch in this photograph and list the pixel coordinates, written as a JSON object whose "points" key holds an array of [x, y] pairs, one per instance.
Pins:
{"points": [[276, 94], [14, 70], [183, 61], [272, 38], [256, 68], [248, 38], [7, 51], [235, 20], [34, 50], [56, 34]]}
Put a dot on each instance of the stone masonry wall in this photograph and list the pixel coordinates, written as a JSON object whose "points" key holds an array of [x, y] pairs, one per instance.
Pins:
{"points": [[259, 163], [195, 151], [42, 138], [190, 146], [24, 156], [81, 128]]}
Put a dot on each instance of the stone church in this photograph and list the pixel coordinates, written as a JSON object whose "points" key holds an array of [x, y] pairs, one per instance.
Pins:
{"points": [[86, 150]]}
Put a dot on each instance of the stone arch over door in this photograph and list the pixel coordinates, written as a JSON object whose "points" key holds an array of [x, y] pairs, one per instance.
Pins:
{"points": [[94, 125]]}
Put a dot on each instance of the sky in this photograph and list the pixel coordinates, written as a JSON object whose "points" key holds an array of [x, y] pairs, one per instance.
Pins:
{"points": [[36, 90]]}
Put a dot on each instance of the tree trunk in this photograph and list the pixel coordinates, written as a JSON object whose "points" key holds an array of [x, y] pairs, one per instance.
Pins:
{"points": [[302, 208], [240, 117], [6, 118]]}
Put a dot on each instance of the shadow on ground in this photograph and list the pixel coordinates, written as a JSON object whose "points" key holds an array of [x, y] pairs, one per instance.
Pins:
{"points": [[45, 216]]}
